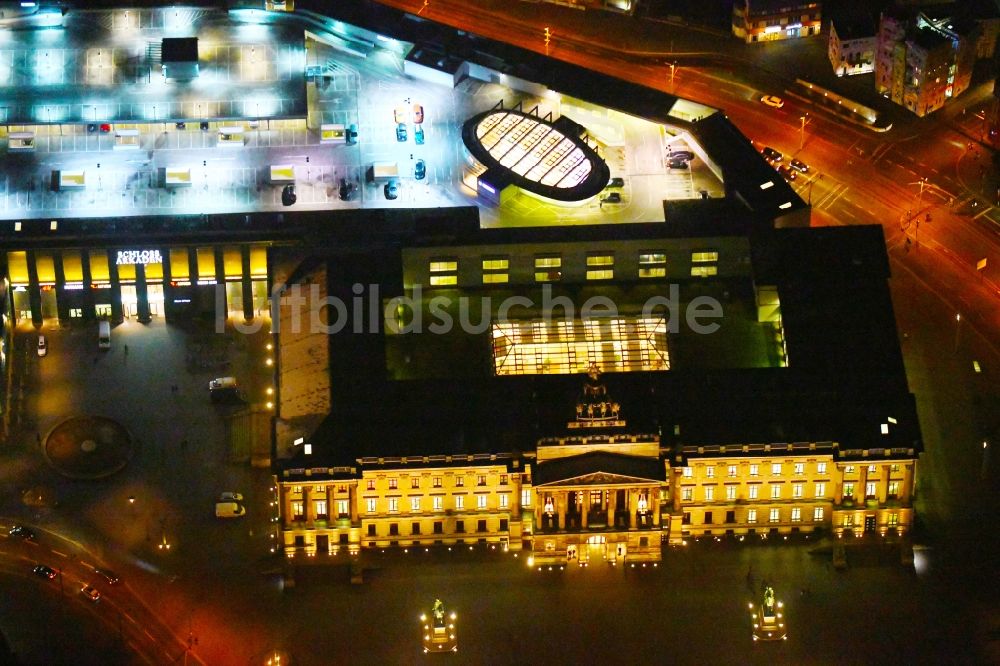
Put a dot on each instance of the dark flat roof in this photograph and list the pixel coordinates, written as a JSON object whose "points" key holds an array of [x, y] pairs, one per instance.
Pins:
{"points": [[179, 49]]}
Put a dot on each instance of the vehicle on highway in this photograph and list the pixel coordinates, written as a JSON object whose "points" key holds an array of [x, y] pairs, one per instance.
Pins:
{"points": [[418, 135], [352, 134], [612, 197], [43, 346], [768, 618], [420, 170], [401, 132], [787, 172], [770, 154], [230, 496], [229, 510], [222, 383], [399, 115], [439, 630], [677, 164], [104, 335], [418, 114], [91, 593], [21, 532], [772, 101], [288, 196], [391, 190], [799, 165], [91, 128], [685, 155], [204, 126], [44, 571], [179, 126], [110, 576], [106, 128], [616, 182]]}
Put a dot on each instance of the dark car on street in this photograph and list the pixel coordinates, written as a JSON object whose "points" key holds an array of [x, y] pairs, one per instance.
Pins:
{"points": [[346, 190], [613, 197], [110, 576], [44, 571], [418, 135], [21, 532], [616, 182], [420, 170], [391, 190], [288, 196], [770, 154], [677, 164], [401, 132]]}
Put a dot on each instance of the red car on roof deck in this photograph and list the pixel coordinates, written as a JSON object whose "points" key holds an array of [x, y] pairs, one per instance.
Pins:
{"points": [[105, 127]]}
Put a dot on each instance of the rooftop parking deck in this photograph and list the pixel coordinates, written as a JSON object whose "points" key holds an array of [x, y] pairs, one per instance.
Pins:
{"points": [[90, 96]]}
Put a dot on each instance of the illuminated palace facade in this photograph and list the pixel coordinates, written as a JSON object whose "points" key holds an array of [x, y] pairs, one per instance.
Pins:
{"points": [[792, 417]]}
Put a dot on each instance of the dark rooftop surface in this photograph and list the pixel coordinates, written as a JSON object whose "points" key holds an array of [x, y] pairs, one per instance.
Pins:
{"points": [[929, 39], [180, 49], [845, 376], [859, 24]]}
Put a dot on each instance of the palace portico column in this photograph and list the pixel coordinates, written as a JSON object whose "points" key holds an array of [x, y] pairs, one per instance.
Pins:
{"points": [[584, 509], [633, 508], [612, 500], [653, 504], [561, 499]]}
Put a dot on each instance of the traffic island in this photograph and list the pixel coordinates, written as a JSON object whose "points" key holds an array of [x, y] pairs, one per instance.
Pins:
{"points": [[88, 447]]}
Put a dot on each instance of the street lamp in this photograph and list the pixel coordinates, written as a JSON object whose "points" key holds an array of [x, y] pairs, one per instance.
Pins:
{"points": [[958, 327], [673, 67], [548, 38], [802, 131]]}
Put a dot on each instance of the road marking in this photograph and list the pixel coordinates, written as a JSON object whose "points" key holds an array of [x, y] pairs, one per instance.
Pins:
{"points": [[146, 631], [61, 554]]}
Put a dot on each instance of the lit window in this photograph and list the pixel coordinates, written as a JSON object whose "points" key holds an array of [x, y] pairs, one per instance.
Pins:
{"points": [[414, 481], [481, 480], [652, 258], [775, 491], [797, 490], [709, 493], [548, 276], [893, 519], [297, 490], [893, 489], [460, 502], [652, 272], [753, 490], [392, 484], [548, 262], [821, 468], [688, 472], [444, 266], [849, 520], [343, 507], [526, 498], [871, 488], [687, 494], [818, 514], [796, 514], [601, 260], [775, 469], [504, 500], [731, 472], [872, 469], [372, 504], [503, 479], [848, 490], [754, 470], [371, 484], [444, 280], [730, 492], [438, 503], [298, 510], [602, 274], [414, 504], [496, 264], [459, 481], [480, 501], [752, 515], [820, 489], [849, 469], [800, 468], [704, 271], [775, 515], [710, 471], [495, 278], [437, 481], [704, 257], [393, 505], [894, 468]]}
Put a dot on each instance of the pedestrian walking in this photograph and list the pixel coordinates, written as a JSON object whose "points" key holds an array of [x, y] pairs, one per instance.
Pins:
{"points": [[126, 350]]}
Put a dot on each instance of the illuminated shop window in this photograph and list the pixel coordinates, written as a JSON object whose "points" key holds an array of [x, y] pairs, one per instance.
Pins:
{"points": [[626, 344], [602, 274]]}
